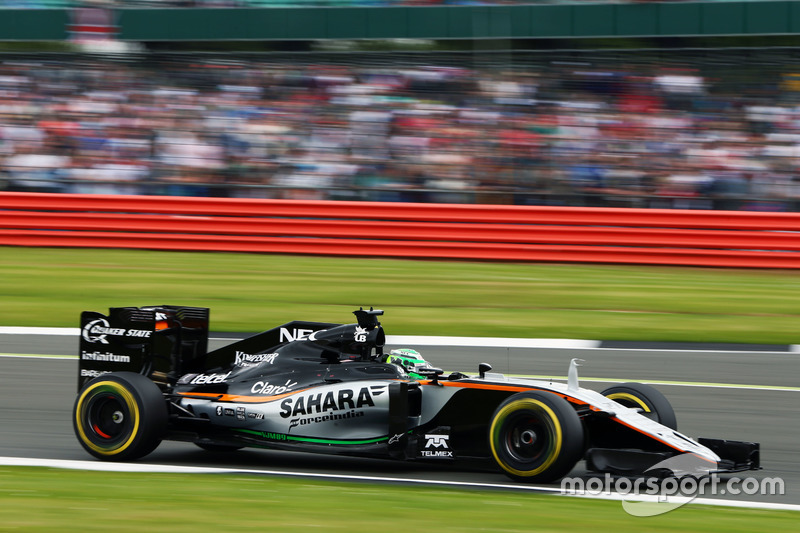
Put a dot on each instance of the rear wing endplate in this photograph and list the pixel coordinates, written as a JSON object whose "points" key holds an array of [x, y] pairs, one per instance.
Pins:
{"points": [[160, 342]]}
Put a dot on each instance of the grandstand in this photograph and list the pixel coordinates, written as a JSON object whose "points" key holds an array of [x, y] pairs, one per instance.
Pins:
{"points": [[516, 120]]}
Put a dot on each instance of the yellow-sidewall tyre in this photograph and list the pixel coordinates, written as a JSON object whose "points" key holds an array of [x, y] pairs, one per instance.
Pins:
{"points": [[651, 402], [120, 416], [536, 437]]}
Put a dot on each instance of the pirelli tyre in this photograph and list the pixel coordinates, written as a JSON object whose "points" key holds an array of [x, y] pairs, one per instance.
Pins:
{"points": [[536, 437], [120, 416], [647, 399]]}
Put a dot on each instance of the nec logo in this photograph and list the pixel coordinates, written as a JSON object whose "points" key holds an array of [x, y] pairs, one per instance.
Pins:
{"points": [[294, 335], [437, 441]]}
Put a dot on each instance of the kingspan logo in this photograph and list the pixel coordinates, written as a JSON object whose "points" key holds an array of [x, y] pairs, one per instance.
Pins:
{"points": [[329, 405], [253, 359]]}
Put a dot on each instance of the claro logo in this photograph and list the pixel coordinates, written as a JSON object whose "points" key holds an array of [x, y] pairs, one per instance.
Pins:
{"points": [[265, 387]]}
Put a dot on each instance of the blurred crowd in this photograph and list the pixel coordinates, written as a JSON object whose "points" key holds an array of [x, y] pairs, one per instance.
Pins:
{"points": [[40, 4], [711, 131]]}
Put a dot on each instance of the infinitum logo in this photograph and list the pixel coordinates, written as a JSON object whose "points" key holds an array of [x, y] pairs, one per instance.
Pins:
{"points": [[650, 496]]}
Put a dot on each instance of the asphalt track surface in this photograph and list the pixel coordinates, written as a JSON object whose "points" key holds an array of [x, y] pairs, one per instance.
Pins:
{"points": [[37, 394]]}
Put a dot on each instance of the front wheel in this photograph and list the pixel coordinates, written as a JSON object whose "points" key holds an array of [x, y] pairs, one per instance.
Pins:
{"points": [[120, 416], [648, 400], [536, 437]]}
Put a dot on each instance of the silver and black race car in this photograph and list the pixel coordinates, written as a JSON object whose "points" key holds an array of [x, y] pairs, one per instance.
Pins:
{"points": [[146, 375]]}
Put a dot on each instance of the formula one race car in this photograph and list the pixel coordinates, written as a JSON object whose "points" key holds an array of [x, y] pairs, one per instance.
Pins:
{"points": [[145, 375]]}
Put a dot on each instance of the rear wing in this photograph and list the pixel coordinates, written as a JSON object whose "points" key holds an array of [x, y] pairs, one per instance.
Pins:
{"points": [[166, 342], [160, 342]]}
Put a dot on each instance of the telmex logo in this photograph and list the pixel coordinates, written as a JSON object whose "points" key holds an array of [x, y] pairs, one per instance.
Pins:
{"points": [[437, 441]]}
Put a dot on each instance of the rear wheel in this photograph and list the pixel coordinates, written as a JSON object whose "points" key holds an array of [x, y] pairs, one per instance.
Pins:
{"points": [[647, 399], [536, 437], [120, 416]]}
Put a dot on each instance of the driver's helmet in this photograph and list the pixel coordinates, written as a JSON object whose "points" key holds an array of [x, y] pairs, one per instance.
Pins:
{"points": [[410, 360]]}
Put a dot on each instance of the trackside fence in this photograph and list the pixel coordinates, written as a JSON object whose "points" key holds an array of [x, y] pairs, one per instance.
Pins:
{"points": [[744, 239]]}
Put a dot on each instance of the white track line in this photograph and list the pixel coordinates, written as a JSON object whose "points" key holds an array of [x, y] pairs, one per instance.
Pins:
{"points": [[478, 342], [491, 342], [152, 468], [429, 340], [740, 386], [433, 340], [588, 379], [14, 330]]}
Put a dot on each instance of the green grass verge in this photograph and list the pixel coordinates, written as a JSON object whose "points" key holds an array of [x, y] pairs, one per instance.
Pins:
{"points": [[41, 499], [252, 292]]}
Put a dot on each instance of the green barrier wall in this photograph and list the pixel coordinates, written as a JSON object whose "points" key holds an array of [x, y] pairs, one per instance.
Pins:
{"points": [[33, 24], [455, 22], [466, 22]]}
